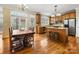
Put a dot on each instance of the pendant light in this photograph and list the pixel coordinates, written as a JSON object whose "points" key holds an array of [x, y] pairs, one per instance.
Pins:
{"points": [[23, 7], [55, 11]]}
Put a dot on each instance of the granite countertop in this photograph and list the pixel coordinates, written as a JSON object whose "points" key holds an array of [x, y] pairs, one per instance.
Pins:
{"points": [[56, 27]]}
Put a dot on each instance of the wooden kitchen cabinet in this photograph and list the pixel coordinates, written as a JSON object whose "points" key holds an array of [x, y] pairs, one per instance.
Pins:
{"points": [[68, 16], [72, 15], [63, 34], [38, 18]]}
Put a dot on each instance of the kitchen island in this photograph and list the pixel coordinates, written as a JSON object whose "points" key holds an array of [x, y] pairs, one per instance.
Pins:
{"points": [[60, 33]]}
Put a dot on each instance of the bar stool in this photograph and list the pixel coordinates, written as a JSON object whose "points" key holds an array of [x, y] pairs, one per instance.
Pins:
{"points": [[55, 35]]}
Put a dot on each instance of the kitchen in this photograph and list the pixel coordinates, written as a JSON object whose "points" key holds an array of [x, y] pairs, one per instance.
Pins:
{"points": [[42, 27]]}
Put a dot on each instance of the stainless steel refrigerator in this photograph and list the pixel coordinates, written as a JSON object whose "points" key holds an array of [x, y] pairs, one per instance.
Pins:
{"points": [[71, 25]]}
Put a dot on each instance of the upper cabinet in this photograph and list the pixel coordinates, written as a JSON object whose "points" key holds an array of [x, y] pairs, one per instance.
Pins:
{"points": [[52, 20], [72, 15], [68, 16], [59, 18], [38, 19], [63, 17]]}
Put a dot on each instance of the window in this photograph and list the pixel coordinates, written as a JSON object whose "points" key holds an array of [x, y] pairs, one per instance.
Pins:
{"points": [[1, 20], [1, 24], [31, 22], [22, 23], [15, 22], [44, 21], [18, 20]]}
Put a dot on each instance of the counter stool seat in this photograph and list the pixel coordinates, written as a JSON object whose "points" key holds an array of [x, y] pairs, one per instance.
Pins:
{"points": [[55, 35]]}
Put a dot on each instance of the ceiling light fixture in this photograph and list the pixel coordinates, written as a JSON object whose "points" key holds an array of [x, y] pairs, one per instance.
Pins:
{"points": [[56, 13], [52, 15], [23, 7]]}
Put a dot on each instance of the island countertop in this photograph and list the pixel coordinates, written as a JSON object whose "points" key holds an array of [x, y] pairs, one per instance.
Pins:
{"points": [[56, 27]]}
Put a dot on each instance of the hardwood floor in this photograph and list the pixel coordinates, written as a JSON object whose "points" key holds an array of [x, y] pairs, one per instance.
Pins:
{"points": [[1, 44], [44, 46], [72, 47]]}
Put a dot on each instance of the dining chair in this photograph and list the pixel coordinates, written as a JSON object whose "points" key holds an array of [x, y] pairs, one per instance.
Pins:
{"points": [[16, 43], [29, 40]]}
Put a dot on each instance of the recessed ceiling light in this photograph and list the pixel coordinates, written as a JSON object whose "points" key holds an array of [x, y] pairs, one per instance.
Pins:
{"points": [[58, 14], [48, 14], [52, 15]]}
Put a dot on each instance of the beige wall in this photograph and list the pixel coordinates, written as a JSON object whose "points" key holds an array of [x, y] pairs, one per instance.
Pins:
{"points": [[6, 25], [6, 21], [77, 24]]}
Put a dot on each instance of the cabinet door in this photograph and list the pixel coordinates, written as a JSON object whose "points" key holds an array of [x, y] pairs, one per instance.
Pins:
{"points": [[63, 18], [72, 15], [52, 20], [67, 16], [38, 18]]}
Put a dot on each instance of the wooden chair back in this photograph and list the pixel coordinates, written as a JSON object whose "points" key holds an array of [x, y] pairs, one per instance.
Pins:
{"points": [[10, 37]]}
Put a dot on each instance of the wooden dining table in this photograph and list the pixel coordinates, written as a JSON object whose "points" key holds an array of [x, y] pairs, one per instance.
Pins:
{"points": [[22, 32], [26, 36]]}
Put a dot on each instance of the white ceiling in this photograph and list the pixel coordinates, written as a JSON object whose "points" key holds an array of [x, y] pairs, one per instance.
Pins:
{"points": [[49, 9]]}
